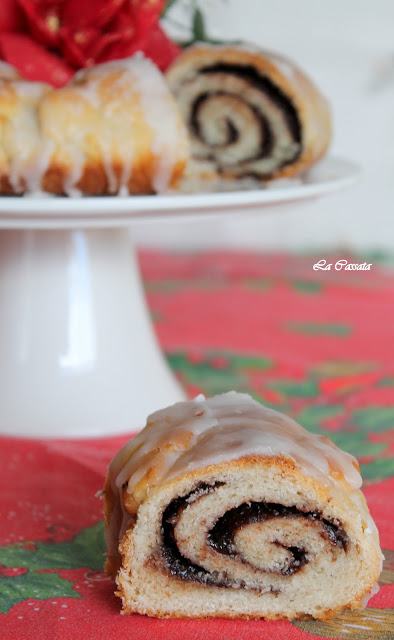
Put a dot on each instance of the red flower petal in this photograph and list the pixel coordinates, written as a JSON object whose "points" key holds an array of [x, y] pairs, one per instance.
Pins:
{"points": [[145, 14], [159, 48], [33, 61], [78, 14], [11, 17], [87, 32], [101, 49], [124, 34], [76, 47], [44, 20], [91, 46], [156, 46], [135, 19]]}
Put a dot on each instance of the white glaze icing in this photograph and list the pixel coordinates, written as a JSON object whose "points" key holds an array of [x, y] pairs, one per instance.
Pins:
{"points": [[31, 92], [37, 167], [28, 154], [8, 72], [161, 117], [74, 174], [87, 85], [226, 427], [98, 104], [136, 79], [99, 121]]}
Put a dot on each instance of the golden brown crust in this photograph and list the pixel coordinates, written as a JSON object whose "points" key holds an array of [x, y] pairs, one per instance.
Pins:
{"points": [[94, 181], [111, 508], [327, 615]]}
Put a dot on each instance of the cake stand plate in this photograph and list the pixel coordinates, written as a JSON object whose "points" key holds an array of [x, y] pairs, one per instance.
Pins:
{"points": [[79, 356]]}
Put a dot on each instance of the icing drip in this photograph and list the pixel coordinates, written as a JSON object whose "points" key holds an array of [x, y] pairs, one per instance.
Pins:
{"points": [[105, 103], [87, 86], [125, 176], [34, 174], [108, 167], [103, 120], [161, 117], [74, 174], [226, 427], [202, 432], [28, 154], [135, 80]]}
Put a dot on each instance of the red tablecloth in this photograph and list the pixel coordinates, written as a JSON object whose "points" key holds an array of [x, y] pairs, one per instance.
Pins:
{"points": [[317, 345]]}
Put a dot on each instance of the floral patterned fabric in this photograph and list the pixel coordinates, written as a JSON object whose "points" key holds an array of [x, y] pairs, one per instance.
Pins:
{"points": [[317, 345]]}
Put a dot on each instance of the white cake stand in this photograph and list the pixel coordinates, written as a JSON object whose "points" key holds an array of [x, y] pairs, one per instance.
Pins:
{"points": [[78, 355]]}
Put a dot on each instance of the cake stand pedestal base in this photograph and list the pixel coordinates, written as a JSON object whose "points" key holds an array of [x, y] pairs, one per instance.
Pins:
{"points": [[78, 353]]}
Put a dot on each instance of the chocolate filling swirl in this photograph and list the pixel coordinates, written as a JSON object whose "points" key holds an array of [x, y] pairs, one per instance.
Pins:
{"points": [[221, 536], [270, 136]]}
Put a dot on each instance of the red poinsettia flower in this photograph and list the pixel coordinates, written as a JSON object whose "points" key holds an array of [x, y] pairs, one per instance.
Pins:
{"points": [[49, 40]]}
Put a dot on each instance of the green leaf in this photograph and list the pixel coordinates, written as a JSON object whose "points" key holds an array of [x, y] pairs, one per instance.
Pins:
{"points": [[261, 284], [163, 286], [250, 362], [383, 257], [198, 26], [374, 419], [307, 286], [311, 417], [206, 376], [305, 389], [387, 382], [356, 444], [86, 550], [169, 286], [334, 368], [41, 586], [320, 329], [378, 469]]}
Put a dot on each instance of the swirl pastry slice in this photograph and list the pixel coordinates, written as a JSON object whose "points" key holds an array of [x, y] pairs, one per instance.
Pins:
{"points": [[225, 508], [249, 113], [115, 128]]}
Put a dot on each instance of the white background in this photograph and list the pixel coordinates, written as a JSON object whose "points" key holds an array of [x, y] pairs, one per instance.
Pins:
{"points": [[346, 46]]}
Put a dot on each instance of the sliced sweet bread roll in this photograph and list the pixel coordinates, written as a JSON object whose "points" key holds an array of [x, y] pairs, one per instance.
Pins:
{"points": [[115, 128], [249, 113], [225, 508]]}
